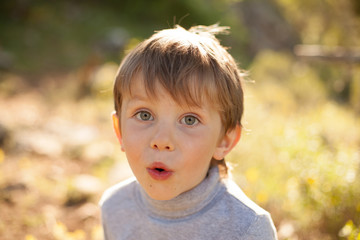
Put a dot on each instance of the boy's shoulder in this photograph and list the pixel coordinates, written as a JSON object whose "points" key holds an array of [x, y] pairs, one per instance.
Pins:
{"points": [[247, 217], [119, 192], [240, 198]]}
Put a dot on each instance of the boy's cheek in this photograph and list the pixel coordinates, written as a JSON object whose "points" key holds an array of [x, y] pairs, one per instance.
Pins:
{"points": [[132, 139]]}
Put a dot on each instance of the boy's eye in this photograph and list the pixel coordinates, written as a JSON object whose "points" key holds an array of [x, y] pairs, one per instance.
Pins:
{"points": [[144, 116], [189, 120]]}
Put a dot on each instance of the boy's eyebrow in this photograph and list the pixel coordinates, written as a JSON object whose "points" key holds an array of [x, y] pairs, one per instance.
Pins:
{"points": [[138, 97], [134, 98], [196, 109]]}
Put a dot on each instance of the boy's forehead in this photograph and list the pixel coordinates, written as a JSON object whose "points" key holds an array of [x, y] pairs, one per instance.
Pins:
{"points": [[156, 91]]}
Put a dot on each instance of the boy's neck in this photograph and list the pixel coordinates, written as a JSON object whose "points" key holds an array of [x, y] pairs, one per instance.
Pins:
{"points": [[186, 203]]}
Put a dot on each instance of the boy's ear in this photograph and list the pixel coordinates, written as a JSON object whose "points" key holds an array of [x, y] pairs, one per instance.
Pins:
{"points": [[227, 143], [117, 129]]}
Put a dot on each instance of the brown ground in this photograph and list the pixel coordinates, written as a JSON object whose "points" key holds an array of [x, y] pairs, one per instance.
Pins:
{"points": [[57, 155]]}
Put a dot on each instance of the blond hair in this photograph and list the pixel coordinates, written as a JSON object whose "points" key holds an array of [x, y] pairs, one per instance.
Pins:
{"points": [[192, 66]]}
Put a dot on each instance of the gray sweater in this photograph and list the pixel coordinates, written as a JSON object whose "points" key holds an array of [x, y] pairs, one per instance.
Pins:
{"points": [[215, 209]]}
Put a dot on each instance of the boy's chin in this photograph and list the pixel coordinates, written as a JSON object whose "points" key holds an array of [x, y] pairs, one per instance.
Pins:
{"points": [[160, 195]]}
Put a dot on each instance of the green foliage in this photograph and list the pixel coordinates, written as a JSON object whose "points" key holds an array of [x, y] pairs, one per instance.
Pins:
{"points": [[325, 22], [307, 170], [350, 231], [64, 35], [299, 156], [355, 89], [291, 80]]}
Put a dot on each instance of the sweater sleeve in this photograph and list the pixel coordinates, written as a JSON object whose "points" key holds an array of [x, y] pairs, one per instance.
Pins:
{"points": [[262, 229]]}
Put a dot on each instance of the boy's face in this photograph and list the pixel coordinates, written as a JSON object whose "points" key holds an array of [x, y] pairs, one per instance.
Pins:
{"points": [[169, 146]]}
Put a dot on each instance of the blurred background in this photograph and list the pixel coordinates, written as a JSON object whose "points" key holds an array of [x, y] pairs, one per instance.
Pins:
{"points": [[299, 156]]}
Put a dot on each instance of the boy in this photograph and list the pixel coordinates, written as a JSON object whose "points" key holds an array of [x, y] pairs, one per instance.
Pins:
{"points": [[178, 108]]}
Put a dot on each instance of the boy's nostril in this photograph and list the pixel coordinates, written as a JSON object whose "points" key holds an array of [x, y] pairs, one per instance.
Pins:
{"points": [[161, 146]]}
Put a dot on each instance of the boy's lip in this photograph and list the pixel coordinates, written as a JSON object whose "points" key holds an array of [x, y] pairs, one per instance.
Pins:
{"points": [[159, 171]]}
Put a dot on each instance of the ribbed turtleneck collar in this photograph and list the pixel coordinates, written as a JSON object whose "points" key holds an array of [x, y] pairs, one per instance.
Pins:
{"points": [[187, 203]]}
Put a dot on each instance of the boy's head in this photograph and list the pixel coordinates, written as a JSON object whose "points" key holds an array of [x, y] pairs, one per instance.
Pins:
{"points": [[179, 103], [191, 65]]}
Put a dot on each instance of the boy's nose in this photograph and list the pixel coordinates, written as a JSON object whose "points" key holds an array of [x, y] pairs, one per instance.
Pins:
{"points": [[162, 140]]}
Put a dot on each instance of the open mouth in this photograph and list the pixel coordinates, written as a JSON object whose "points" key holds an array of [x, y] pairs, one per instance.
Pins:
{"points": [[159, 171]]}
